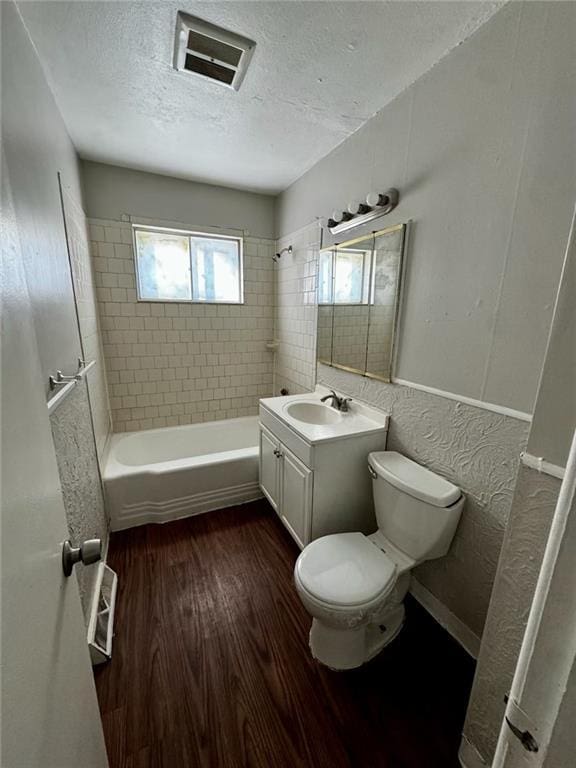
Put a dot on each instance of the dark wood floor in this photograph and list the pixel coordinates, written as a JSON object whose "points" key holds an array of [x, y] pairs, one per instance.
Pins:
{"points": [[211, 665]]}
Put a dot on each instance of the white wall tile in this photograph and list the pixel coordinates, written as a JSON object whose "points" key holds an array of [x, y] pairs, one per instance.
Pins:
{"points": [[181, 363]]}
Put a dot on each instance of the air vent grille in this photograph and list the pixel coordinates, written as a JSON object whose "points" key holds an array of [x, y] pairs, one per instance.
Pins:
{"points": [[212, 48], [208, 68], [211, 52]]}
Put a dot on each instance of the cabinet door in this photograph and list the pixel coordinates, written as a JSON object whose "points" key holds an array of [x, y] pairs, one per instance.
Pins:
{"points": [[296, 497], [270, 466]]}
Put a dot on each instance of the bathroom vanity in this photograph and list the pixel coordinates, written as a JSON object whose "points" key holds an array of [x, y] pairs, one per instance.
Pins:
{"points": [[313, 463]]}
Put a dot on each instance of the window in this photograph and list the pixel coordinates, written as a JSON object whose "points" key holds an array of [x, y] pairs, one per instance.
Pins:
{"points": [[187, 266], [344, 276]]}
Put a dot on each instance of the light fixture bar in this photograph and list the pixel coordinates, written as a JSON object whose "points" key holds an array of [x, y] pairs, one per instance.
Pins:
{"points": [[386, 203]]}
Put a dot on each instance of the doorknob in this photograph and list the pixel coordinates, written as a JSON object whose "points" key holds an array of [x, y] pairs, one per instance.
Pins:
{"points": [[87, 553]]}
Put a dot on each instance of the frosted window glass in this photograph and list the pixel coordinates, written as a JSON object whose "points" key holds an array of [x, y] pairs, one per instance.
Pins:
{"points": [[348, 277], [181, 266], [163, 266], [325, 278], [215, 269]]}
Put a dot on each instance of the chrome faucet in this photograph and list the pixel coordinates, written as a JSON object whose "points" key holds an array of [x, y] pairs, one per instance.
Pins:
{"points": [[339, 403]]}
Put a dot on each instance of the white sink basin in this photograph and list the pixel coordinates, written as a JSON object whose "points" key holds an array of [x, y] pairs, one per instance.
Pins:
{"points": [[313, 413], [316, 422]]}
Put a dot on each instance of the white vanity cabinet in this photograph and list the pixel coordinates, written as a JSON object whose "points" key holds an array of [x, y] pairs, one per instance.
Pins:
{"points": [[317, 481], [270, 467], [287, 484]]}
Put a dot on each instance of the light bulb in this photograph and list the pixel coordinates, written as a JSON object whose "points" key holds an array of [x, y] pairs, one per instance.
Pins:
{"points": [[373, 199]]}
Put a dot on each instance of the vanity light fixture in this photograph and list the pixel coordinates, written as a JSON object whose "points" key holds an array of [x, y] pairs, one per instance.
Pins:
{"points": [[377, 204]]}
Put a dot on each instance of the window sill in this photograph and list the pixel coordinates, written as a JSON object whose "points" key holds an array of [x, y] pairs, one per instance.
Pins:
{"points": [[191, 301]]}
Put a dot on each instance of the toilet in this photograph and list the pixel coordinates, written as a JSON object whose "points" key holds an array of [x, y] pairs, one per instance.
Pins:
{"points": [[354, 585]]}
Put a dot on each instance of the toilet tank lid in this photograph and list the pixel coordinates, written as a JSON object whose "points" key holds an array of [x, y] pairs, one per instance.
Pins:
{"points": [[412, 478]]}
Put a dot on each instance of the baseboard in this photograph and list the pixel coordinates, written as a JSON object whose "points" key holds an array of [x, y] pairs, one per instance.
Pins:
{"points": [[141, 513], [451, 623], [469, 756]]}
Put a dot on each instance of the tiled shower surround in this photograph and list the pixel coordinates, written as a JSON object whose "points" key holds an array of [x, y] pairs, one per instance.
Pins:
{"points": [[296, 307], [179, 363]]}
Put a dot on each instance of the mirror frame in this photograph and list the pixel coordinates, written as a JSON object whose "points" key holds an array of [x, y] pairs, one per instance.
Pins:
{"points": [[403, 227]]}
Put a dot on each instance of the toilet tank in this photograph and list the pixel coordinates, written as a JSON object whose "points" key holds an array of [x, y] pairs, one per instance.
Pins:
{"points": [[416, 510]]}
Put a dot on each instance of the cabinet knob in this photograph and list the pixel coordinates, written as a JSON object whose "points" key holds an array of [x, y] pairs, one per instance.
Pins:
{"points": [[277, 453]]}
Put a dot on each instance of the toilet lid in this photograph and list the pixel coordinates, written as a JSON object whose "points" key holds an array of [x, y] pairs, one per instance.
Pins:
{"points": [[344, 569]]}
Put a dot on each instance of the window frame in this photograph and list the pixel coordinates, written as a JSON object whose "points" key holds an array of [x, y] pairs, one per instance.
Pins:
{"points": [[189, 233]]}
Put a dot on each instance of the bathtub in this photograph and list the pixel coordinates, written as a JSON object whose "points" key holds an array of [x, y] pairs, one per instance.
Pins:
{"points": [[163, 474]]}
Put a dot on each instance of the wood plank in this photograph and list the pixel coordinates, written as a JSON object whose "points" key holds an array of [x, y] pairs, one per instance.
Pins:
{"points": [[211, 665]]}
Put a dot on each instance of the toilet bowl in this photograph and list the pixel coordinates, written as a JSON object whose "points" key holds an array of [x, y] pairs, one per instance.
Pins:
{"points": [[348, 583], [354, 585]]}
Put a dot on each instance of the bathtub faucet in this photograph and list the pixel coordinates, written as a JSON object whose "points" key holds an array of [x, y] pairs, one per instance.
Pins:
{"points": [[340, 403]]}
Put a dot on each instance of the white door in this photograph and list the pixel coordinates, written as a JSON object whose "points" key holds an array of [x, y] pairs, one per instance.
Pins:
{"points": [[296, 497], [50, 716], [540, 720], [270, 466]]}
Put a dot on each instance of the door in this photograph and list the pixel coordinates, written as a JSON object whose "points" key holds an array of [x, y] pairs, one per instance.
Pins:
{"points": [[269, 466], [296, 497], [50, 716], [538, 729]]}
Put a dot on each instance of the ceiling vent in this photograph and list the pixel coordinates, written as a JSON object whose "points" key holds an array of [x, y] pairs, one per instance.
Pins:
{"points": [[211, 52]]}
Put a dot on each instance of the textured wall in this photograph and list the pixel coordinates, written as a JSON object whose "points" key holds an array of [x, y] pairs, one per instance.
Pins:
{"points": [[477, 450], [475, 147], [90, 335], [522, 550], [78, 468], [179, 363], [295, 311], [534, 501], [37, 148]]}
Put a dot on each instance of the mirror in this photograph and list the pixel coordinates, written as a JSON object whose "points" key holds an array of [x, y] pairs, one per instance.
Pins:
{"points": [[358, 299]]}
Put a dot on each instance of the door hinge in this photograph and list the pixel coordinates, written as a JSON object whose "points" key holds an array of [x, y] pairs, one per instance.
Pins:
{"points": [[521, 725]]}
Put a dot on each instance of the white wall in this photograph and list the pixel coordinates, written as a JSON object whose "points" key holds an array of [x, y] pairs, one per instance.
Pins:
{"points": [[483, 150], [535, 498], [555, 416], [111, 191], [37, 148]]}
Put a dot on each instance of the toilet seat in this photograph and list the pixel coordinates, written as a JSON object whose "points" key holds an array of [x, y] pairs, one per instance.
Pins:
{"points": [[345, 570]]}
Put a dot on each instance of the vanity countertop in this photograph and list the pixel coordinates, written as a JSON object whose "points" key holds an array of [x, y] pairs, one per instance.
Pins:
{"points": [[359, 419]]}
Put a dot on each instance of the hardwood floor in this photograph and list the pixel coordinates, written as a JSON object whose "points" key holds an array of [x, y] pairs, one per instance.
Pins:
{"points": [[211, 665]]}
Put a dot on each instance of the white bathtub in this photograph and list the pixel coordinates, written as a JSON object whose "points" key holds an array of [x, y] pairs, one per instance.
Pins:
{"points": [[163, 474]]}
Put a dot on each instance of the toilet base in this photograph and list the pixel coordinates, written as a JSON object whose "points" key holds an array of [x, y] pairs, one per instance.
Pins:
{"points": [[341, 649]]}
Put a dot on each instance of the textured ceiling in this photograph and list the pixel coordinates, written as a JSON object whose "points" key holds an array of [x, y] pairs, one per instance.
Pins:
{"points": [[320, 70]]}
